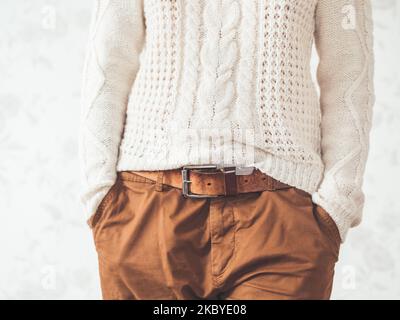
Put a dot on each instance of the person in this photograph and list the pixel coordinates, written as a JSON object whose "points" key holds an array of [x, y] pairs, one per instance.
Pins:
{"points": [[213, 166]]}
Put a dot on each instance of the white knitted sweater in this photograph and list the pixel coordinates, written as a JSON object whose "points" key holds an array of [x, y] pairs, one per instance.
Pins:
{"points": [[161, 75]]}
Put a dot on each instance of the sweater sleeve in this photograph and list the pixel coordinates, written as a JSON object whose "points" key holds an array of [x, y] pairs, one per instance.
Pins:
{"points": [[344, 43], [112, 60]]}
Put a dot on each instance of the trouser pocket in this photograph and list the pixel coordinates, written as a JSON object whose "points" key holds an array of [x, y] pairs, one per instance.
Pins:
{"points": [[96, 217], [324, 219], [329, 225]]}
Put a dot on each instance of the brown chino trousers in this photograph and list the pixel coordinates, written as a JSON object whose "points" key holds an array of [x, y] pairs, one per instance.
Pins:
{"points": [[153, 243]]}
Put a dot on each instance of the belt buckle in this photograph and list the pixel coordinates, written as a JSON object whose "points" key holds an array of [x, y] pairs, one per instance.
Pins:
{"points": [[239, 170], [186, 182]]}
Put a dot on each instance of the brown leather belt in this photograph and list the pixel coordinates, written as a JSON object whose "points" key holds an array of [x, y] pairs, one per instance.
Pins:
{"points": [[208, 181]]}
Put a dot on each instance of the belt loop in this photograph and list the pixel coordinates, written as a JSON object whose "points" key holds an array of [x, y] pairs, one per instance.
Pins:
{"points": [[159, 182]]}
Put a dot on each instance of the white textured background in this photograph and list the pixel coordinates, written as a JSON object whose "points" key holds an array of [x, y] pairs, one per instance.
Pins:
{"points": [[46, 249]]}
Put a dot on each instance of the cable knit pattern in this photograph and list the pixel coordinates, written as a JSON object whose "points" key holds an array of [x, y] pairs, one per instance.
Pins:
{"points": [[163, 76], [246, 66], [218, 55], [244, 114]]}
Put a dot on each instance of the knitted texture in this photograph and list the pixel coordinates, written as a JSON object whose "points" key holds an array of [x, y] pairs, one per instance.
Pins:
{"points": [[175, 82]]}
